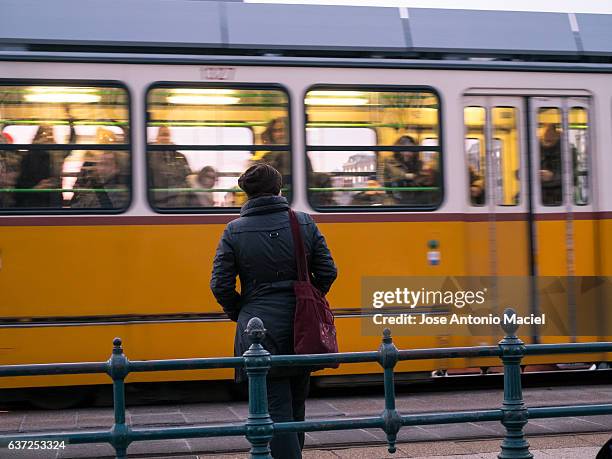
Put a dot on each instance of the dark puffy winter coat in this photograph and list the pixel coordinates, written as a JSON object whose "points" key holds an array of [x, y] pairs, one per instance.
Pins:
{"points": [[258, 247], [551, 161]]}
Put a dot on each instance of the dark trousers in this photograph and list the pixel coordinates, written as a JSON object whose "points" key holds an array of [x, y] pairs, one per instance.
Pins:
{"points": [[287, 402], [606, 451]]}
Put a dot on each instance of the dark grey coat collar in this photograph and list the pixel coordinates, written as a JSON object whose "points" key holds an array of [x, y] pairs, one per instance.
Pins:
{"points": [[264, 205]]}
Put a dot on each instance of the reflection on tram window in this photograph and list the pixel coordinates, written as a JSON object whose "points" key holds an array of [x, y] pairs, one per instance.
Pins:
{"points": [[578, 143], [201, 139], [549, 135], [347, 162], [506, 156], [475, 151], [74, 119]]}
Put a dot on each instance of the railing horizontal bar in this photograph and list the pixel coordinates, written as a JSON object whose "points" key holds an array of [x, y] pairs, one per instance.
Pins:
{"points": [[97, 436], [450, 353], [297, 360], [185, 364], [316, 359], [408, 420], [563, 411], [329, 424], [53, 369], [169, 433], [567, 348], [451, 418]]}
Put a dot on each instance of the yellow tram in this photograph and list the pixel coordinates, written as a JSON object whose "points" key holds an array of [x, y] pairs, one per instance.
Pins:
{"points": [[132, 163]]}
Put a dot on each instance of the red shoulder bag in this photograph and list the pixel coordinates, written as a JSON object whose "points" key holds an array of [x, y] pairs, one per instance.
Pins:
{"points": [[314, 331]]}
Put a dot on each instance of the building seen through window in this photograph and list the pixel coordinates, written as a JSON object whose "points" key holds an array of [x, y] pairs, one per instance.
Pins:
{"points": [[372, 148]]}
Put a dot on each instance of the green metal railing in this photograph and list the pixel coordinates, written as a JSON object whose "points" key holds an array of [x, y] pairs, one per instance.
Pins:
{"points": [[259, 427]]}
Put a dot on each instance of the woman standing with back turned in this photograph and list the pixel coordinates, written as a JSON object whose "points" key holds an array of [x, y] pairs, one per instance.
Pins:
{"points": [[258, 247]]}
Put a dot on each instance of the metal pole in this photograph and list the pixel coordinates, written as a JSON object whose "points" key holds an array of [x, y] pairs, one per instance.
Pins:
{"points": [[514, 445], [388, 359], [118, 370], [257, 363]]}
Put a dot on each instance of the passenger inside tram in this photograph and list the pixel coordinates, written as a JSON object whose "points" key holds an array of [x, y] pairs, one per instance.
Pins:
{"points": [[405, 170], [550, 165], [9, 171], [275, 134], [168, 172], [40, 170], [202, 182], [477, 186], [102, 182]]}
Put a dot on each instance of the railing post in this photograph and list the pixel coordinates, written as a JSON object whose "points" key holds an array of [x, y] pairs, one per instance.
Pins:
{"points": [[515, 414], [388, 356], [118, 370], [257, 363]]}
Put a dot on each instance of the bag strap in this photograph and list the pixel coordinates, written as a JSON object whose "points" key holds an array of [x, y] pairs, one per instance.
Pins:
{"points": [[298, 247]]}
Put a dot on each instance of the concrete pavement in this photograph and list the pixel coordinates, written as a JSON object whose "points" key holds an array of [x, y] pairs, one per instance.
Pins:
{"points": [[334, 407], [581, 446]]}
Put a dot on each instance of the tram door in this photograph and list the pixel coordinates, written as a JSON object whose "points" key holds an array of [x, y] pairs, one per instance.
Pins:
{"points": [[497, 227], [565, 233], [498, 238], [529, 192]]}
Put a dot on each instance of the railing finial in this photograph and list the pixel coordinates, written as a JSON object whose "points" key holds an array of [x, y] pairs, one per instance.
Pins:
{"points": [[386, 335], [509, 324], [117, 346], [255, 330]]}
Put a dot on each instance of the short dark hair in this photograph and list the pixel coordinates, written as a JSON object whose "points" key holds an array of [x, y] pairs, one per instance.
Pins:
{"points": [[260, 179], [205, 171], [405, 140]]}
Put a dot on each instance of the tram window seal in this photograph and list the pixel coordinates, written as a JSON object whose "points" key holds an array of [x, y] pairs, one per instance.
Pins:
{"points": [[128, 144], [211, 85], [588, 161], [379, 88]]}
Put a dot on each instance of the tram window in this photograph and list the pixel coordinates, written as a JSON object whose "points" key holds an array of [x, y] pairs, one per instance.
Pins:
{"points": [[506, 156], [80, 170], [372, 147], [578, 143], [475, 152], [200, 139], [343, 169], [549, 135]]}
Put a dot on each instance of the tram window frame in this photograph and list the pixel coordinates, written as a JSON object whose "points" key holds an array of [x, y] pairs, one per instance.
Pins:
{"points": [[482, 162], [588, 160], [561, 133], [214, 85], [377, 88], [499, 174], [127, 147]]}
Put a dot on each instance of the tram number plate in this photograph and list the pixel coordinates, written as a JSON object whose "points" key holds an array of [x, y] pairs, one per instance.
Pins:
{"points": [[218, 73]]}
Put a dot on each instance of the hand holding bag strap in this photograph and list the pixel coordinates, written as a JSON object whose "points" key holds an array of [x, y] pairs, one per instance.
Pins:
{"points": [[298, 247]]}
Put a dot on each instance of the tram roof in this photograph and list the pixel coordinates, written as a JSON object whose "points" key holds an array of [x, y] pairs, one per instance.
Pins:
{"points": [[237, 28]]}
